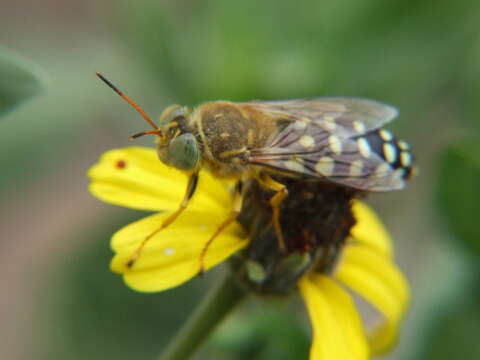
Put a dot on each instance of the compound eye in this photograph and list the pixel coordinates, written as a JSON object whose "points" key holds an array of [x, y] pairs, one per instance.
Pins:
{"points": [[171, 113], [183, 152]]}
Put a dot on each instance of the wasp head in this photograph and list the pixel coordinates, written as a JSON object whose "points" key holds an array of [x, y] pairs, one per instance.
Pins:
{"points": [[177, 146]]}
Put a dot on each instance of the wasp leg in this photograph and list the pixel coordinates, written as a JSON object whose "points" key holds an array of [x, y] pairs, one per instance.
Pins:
{"points": [[191, 186], [275, 202], [237, 207]]}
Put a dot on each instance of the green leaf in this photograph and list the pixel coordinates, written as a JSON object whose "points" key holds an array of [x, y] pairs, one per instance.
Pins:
{"points": [[459, 191], [21, 79]]}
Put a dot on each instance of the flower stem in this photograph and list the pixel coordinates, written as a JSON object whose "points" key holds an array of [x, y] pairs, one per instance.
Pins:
{"points": [[211, 311]]}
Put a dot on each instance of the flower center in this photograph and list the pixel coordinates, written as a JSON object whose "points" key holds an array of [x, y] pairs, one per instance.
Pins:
{"points": [[316, 219]]}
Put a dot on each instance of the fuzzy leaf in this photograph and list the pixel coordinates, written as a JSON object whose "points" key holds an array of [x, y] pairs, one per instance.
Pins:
{"points": [[21, 79]]}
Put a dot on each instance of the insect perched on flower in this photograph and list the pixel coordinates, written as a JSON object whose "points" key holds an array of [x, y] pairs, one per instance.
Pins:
{"points": [[331, 140]]}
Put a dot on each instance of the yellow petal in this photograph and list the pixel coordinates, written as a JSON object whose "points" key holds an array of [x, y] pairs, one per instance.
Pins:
{"points": [[337, 327], [172, 256], [369, 230], [136, 178], [377, 279]]}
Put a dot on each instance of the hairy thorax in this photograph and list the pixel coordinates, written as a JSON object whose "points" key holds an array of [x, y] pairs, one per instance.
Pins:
{"points": [[227, 133]]}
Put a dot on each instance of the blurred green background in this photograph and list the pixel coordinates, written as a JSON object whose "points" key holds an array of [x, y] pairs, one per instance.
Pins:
{"points": [[58, 299]]}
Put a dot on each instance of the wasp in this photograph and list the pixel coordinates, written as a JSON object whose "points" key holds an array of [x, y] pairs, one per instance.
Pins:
{"points": [[336, 140]]}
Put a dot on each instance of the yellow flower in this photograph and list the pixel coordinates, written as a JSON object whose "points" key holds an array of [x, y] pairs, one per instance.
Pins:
{"points": [[134, 177]]}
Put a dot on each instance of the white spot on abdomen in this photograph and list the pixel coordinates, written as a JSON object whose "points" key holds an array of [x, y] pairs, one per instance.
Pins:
{"points": [[356, 168], [294, 166], [325, 166], [335, 144], [389, 152], [405, 158], [306, 141], [385, 135], [364, 147], [359, 126]]}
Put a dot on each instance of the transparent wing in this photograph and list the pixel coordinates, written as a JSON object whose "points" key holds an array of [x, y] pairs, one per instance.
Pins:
{"points": [[342, 115], [337, 140]]}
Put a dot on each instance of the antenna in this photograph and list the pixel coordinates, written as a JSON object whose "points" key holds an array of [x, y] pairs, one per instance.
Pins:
{"points": [[134, 105]]}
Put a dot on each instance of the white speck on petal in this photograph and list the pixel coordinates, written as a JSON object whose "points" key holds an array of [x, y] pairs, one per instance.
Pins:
{"points": [[169, 251], [203, 227]]}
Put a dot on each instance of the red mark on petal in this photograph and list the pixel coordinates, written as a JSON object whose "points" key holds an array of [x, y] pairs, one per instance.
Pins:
{"points": [[121, 164]]}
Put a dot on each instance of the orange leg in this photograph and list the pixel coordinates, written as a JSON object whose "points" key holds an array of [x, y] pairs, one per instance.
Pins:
{"points": [[191, 186], [237, 207], [275, 202]]}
